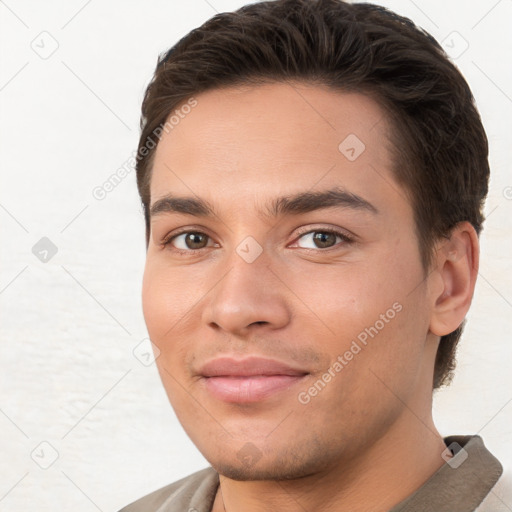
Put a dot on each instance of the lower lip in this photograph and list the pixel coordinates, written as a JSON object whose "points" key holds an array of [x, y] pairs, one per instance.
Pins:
{"points": [[249, 389]]}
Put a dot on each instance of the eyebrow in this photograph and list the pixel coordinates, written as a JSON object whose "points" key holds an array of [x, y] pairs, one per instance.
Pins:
{"points": [[303, 202]]}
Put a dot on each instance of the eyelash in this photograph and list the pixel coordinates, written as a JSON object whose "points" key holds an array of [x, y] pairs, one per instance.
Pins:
{"points": [[166, 241]]}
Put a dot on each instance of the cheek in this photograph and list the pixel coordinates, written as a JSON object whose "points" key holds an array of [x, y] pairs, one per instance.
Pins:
{"points": [[165, 313], [376, 330], [172, 298], [376, 303], [346, 299], [163, 300], [153, 301]]}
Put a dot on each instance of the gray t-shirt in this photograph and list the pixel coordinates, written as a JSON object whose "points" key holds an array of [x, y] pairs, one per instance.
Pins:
{"points": [[460, 485]]}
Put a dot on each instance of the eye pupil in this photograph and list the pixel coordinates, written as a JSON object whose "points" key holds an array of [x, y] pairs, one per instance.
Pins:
{"points": [[194, 238], [323, 238]]}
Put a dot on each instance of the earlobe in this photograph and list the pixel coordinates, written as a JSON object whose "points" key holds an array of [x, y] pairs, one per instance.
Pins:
{"points": [[457, 262]]}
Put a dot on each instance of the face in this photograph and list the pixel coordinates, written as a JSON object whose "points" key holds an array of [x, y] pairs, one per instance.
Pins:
{"points": [[283, 283]]}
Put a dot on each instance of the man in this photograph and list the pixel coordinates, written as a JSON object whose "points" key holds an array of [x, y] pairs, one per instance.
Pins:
{"points": [[312, 175]]}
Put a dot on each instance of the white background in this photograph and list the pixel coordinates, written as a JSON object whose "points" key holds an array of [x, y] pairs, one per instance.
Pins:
{"points": [[68, 375]]}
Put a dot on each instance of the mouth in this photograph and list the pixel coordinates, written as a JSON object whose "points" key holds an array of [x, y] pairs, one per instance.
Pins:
{"points": [[248, 380]]}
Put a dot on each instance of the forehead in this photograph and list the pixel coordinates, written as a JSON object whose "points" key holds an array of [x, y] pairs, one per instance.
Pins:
{"points": [[238, 144]]}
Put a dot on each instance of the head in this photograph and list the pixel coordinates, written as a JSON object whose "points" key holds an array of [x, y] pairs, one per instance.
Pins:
{"points": [[299, 100]]}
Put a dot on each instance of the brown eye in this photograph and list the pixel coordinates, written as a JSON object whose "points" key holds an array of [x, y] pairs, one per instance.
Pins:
{"points": [[188, 241], [195, 240], [322, 239]]}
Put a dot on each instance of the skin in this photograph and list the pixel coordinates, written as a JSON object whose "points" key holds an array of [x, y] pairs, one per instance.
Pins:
{"points": [[371, 426]]}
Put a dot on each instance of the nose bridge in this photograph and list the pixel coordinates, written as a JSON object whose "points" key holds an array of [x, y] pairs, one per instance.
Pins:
{"points": [[250, 268], [249, 292]]}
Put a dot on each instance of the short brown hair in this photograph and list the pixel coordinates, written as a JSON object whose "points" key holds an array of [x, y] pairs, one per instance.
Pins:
{"points": [[439, 144]]}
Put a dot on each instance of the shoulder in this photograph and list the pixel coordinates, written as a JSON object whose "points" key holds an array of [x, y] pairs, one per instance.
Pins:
{"points": [[499, 498], [195, 491]]}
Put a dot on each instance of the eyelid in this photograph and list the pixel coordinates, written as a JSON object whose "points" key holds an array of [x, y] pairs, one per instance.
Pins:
{"points": [[333, 229]]}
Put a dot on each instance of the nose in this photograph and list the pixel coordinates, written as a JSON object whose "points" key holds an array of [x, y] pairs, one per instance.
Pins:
{"points": [[248, 297]]}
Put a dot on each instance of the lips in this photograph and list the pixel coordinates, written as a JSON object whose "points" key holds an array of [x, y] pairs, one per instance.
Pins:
{"points": [[230, 367], [248, 380]]}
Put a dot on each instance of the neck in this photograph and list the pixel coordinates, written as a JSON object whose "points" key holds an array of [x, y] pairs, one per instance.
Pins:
{"points": [[387, 472]]}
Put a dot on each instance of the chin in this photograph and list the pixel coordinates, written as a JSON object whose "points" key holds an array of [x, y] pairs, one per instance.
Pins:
{"points": [[276, 469]]}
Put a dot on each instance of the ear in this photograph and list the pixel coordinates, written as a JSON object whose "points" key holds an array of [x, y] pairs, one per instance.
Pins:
{"points": [[455, 273]]}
